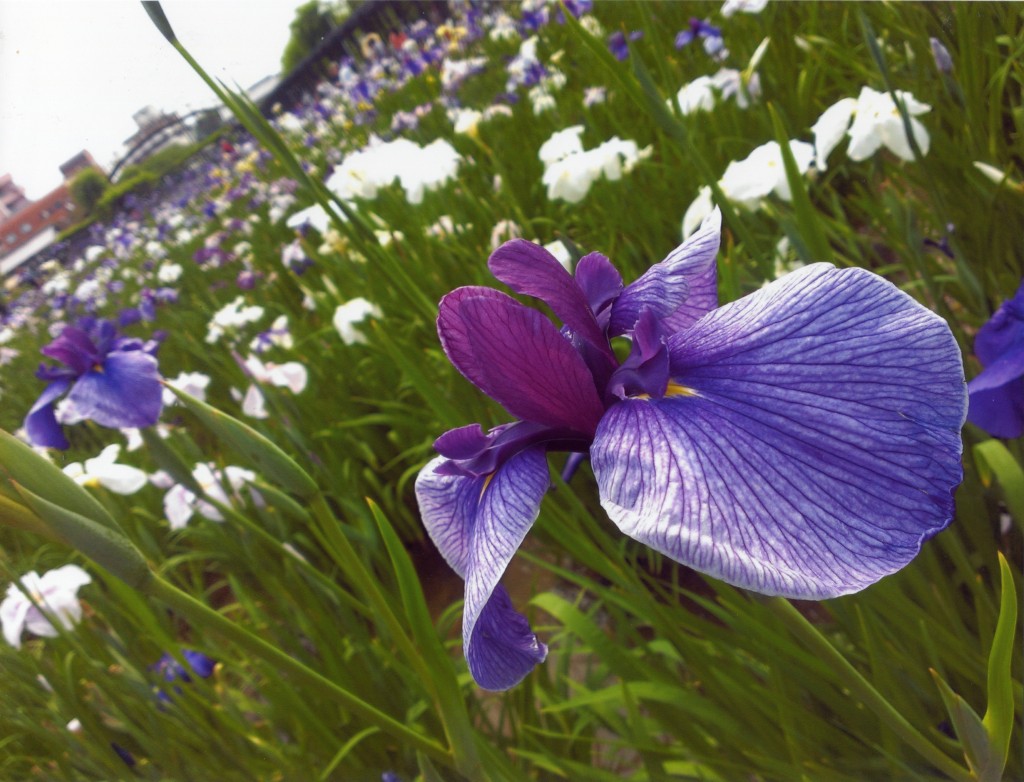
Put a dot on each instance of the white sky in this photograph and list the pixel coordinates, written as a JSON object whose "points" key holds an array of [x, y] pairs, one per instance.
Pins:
{"points": [[72, 73]]}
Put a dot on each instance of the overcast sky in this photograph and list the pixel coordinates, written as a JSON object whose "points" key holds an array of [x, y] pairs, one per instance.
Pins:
{"points": [[73, 72]]}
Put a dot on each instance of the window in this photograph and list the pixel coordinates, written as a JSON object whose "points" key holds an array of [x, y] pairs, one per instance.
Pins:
{"points": [[26, 227], [12, 238]]}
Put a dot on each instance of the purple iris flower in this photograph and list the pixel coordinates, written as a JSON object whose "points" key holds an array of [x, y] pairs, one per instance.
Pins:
{"points": [[618, 43], [171, 670], [714, 45], [997, 393], [802, 441], [109, 379]]}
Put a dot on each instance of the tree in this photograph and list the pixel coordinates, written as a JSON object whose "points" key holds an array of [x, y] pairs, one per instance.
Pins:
{"points": [[87, 188], [311, 25]]}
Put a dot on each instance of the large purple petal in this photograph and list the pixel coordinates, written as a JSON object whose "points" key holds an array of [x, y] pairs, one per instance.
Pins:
{"points": [[478, 524], [41, 424], [516, 356], [810, 443], [680, 289], [126, 392], [529, 269]]}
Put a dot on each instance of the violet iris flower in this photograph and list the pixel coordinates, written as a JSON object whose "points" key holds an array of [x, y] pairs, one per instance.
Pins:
{"points": [[802, 441], [997, 393], [618, 43], [708, 33], [171, 670], [109, 379]]}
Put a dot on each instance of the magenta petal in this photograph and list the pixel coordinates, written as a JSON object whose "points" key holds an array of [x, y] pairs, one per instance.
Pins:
{"points": [[680, 289], [529, 269], [126, 392], [517, 357], [816, 448]]}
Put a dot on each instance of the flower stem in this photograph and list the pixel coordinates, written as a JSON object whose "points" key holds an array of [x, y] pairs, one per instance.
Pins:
{"points": [[865, 691], [200, 614]]}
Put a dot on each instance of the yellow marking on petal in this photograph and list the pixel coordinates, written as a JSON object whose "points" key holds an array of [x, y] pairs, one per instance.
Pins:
{"points": [[487, 482], [675, 389], [672, 389]]}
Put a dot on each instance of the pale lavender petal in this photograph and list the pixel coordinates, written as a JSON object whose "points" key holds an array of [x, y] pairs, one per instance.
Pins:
{"points": [[680, 289], [529, 269], [448, 505], [126, 392], [517, 357], [810, 446], [478, 524]]}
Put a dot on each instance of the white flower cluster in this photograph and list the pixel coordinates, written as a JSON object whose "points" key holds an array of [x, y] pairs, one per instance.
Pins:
{"points": [[569, 170], [230, 317], [704, 92], [417, 168], [871, 121], [180, 503]]}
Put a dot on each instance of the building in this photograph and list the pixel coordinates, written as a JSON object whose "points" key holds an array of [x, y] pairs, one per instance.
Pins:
{"points": [[79, 162], [12, 197], [157, 131], [34, 224]]}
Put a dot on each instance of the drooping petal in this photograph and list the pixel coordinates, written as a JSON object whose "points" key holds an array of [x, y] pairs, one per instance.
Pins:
{"points": [[478, 524], [517, 357], [41, 423], [504, 648], [447, 504], [126, 392], [529, 269], [816, 444], [680, 289]]}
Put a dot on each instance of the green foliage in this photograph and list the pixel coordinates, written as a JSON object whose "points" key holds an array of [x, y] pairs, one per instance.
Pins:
{"points": [[312, 23], [87, 189], [139, 182]]}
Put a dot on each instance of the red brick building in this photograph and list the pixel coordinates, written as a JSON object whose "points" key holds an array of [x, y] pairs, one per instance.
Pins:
{"points": [[54, 210]]}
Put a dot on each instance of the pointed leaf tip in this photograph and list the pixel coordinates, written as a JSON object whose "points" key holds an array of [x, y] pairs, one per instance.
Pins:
{"points": [[159, 18]]}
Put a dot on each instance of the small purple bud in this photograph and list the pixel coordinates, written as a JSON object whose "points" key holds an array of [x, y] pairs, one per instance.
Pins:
{"points": [[941, 55], [246, 280]]}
